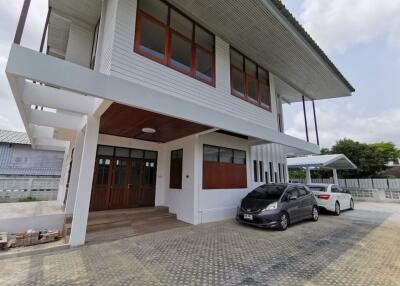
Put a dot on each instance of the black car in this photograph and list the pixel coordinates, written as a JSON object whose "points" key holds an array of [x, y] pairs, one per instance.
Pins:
{"points": [[277, 206]]}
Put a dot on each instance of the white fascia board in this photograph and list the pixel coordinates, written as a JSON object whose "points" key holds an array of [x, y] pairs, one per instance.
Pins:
{"points": [[36, 94], [42, 131], [55, 119], [35, 66]]}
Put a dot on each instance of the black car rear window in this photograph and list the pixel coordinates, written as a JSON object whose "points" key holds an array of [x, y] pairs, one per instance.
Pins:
{"points": [[317, 188], [267, 192]]}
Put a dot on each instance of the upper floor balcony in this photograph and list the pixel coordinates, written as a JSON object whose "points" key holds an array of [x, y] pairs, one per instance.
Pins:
{"points": [[228, 64]]}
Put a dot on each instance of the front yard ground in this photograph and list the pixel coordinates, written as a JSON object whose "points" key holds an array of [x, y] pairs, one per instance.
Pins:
{"points": [[360, 247]]}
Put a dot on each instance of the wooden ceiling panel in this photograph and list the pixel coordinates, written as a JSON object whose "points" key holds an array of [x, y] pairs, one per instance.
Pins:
{"points": [[125, 121]]}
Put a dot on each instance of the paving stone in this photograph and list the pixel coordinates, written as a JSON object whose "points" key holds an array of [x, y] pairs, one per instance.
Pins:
{"points": [[348, 250]]}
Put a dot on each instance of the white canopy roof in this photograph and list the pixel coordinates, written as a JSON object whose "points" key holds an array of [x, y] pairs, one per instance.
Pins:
{"points": [[332, 161]]}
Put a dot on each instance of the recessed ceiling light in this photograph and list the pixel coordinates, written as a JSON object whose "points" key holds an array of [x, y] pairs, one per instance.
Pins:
{"points": [[148, 130]]}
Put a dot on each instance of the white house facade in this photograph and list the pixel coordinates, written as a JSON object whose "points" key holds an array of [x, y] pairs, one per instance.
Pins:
{"points": [[167, 103]]}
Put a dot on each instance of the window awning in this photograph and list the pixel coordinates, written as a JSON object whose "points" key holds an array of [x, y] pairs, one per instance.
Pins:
{"points": [[332, 161]]}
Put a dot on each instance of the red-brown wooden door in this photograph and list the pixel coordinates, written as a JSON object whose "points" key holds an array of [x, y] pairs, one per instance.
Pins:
{"points": [[119, 184], [148, 193], [101, 183]]}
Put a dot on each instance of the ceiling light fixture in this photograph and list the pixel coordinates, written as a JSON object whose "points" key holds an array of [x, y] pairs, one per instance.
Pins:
{"points": [[148, 130]]}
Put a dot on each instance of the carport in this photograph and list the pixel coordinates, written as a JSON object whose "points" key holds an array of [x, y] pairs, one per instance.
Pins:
{"points": [[333, 162]]}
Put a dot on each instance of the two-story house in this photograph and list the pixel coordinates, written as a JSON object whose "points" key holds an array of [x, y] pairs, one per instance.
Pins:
{"points": [[167, 102]]}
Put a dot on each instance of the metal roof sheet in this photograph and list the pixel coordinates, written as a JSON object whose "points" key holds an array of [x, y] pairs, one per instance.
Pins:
{"points": [[8, 136], [332, 161]]}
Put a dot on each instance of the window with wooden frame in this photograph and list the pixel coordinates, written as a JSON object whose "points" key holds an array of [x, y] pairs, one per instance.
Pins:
{"points": [[167, 36], [249, 81], [224, 168], [175, 172]]}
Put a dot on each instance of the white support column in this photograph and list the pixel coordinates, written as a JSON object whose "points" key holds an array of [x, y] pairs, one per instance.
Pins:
{"points": [[335, 177], [308, 175], [82, 200], [64, 174], [76, 165]]}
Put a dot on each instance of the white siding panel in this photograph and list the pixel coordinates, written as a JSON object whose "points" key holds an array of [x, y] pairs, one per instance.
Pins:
{"points": [[133, 67]]}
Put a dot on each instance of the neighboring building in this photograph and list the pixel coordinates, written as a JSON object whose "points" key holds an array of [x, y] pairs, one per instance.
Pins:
{"points": [[173, 103], [17, 158]]}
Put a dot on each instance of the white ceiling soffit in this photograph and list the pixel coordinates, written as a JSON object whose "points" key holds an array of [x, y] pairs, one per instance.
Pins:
{"points": [[259, 30], [85, 10]]}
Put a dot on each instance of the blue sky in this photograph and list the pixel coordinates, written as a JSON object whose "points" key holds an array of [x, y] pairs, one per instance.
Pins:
{"points": [[361, 37]]}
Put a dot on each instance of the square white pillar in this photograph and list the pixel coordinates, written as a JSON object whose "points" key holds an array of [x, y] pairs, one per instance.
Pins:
{"points": [[308, 175], [76, 165], [64, 174], [335, 177], [84, 189]]}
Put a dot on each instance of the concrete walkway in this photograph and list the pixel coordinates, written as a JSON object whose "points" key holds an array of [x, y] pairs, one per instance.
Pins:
{"points": [[360, 247]]}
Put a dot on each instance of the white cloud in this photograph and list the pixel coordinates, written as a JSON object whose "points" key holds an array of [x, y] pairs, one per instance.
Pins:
{"points": [[9, 15], [349, 121], [336, 25]]}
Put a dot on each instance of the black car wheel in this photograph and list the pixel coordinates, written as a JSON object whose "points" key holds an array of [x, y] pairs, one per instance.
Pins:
{"points": [[337, 208], [283, 221], [351, 204], [315, 213]]}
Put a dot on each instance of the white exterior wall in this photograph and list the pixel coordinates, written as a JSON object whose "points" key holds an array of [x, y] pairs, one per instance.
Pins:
{"points": [[268, 153], [79, 46], [133, 67], [220, 203]]}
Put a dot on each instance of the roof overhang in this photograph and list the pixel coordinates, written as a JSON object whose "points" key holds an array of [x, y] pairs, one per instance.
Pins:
{"points": [[265, 33], [332, 161]]}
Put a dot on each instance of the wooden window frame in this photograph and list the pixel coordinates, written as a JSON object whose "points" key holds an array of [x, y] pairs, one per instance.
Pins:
{"points": [[259, 82], [219, 156], [176, 187], [167, 49]]}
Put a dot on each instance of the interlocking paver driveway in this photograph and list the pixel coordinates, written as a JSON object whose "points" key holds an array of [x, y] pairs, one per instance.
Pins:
{"points": [[358, 248]]}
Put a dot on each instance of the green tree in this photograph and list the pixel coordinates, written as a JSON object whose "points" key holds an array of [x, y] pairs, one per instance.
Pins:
{"points": [[369, 158], [297, 174]]}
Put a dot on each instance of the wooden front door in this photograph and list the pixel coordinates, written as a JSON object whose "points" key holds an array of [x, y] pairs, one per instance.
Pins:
{"points": [[119, 183], [101, 183], [123, 183]]}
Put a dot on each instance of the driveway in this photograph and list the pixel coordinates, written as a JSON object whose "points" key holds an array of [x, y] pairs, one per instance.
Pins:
{"points": [[360, 247]]}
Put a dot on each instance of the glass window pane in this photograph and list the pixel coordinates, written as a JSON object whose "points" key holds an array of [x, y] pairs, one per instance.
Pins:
{"points": [[251, 68], [137, 153], [225, 155], [204, 38], [121, 152], [150, 155], [103, 171], [210, 154], [204, 65], [181, 24], [181, 53], [155, 8], [152, 38], [239, 157], [263, 76], [237, 81], [120, 171], [105, 150], [236, 59], [252, 88], [264, 95], [135, 178]]}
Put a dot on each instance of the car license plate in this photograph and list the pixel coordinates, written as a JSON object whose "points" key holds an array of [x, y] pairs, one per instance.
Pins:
{"points": [[248, 216]]}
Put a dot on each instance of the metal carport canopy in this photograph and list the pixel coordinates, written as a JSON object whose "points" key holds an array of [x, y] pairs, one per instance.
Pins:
{"points": [[332, 161]]}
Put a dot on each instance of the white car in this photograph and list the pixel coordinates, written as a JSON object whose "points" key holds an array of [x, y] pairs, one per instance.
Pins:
{"points": [[332, 198]]}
